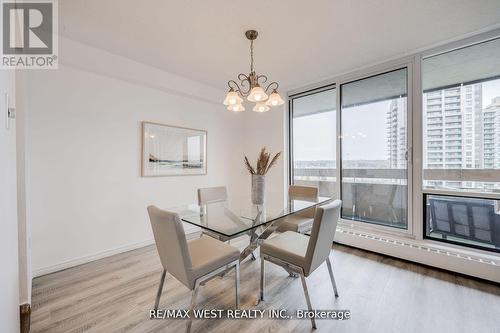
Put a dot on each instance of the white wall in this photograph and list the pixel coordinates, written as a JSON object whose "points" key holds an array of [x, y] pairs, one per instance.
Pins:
{"points": [[9, 272], [266, 130], [85, 197]]}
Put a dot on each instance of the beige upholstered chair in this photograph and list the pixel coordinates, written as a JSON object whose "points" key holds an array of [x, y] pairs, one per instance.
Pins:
{"points": [[303, 254], [302, 221], [211, 194], [191, 262]]}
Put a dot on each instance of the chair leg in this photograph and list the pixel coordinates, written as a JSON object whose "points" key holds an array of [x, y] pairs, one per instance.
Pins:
{"points": [[306, 293], [334, 285], [237, 283], [191, 307], [160, 289], [261, 297]]}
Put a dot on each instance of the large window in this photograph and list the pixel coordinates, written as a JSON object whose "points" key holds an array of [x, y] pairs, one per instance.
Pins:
{"points": [[374, 149], [461, 119], [461, 144], [313, 140], [362, 154]]}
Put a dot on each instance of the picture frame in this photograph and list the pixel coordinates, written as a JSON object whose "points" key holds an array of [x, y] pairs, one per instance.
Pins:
{"points": [[169, 150]]}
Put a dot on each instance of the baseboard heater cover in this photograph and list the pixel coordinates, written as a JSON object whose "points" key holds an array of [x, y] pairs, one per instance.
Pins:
{"points": [[421, 253]]}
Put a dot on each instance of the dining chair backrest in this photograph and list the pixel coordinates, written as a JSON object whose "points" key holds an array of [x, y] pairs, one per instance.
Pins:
{"points": [[211, 194], [322, 234], [304, 192], [171, 243]]}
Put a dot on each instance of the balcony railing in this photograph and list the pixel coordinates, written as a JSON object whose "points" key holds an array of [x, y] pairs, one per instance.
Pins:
{"points": [[380, 195], [485, 180]]}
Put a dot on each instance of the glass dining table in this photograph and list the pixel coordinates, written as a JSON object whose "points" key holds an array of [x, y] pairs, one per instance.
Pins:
{"points": [[239, 216]]}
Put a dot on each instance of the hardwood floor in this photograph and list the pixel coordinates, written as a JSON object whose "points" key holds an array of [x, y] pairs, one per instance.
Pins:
{"points": [[384, 295]]}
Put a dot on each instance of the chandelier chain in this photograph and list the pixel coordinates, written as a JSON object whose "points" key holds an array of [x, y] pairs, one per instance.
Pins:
{"points": [[251, 56]]}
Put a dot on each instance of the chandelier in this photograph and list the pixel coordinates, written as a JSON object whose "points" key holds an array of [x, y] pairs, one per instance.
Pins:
{"points": [[249, 87]]}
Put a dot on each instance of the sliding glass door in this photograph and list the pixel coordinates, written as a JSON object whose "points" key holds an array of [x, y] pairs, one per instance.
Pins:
{"points": [[374, 149]]}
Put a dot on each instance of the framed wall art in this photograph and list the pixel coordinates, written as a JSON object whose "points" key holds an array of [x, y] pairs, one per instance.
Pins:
{"points": [[173, 151]]}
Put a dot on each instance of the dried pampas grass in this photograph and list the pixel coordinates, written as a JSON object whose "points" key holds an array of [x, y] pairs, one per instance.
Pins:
{"points": [[264, 162]]}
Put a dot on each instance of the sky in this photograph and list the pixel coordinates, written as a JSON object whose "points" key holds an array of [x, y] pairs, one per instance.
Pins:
{"points": [[364, 131], [490, 90], [316, 144]]}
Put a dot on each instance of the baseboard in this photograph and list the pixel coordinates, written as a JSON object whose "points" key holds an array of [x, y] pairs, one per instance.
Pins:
{"points": [[191, 232], [92, 257]]}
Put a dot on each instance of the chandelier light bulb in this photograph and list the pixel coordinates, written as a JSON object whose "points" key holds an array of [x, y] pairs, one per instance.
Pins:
{"points": [[232, 98], [261, 107], [275, 99], [236, 107], [257, 94]]}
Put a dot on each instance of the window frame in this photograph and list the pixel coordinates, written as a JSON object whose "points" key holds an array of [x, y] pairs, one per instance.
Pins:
{"points": [[290, 122], [413, 62], [407, 63]]}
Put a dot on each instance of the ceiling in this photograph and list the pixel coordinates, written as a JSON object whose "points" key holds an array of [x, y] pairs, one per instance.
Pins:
{"points": [[299, 41]]}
